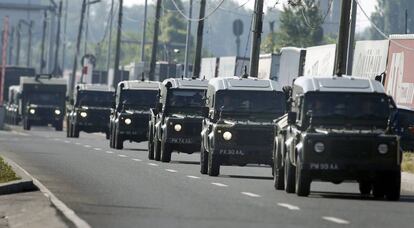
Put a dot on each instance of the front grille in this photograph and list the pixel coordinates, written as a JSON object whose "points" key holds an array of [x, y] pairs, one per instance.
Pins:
{"points": [[252, 137], [351, 149], [45, 113], [192, 128], [98, 116]]}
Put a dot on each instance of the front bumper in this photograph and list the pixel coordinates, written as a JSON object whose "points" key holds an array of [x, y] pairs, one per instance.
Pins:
{"points": [[137, 130]]}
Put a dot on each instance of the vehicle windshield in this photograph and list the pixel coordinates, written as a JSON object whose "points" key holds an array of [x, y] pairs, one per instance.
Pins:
{"points": [[95, 98], [270, 103], [46, 98], [139, 99], [353, 107], [188, 101]]}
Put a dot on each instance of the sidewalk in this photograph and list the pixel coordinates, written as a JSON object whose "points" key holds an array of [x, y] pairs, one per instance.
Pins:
{"points": [[407, 182], [29, 209]]}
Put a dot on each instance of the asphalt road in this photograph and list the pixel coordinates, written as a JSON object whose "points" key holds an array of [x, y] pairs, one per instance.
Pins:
{"points": [[111, 188]]}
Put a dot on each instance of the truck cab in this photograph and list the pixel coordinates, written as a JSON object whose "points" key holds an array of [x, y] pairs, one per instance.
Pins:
{"points": [[238, 122], [90, 110], [42, 101], [129, 118], [338, 129], [12, 107], [175, 124]]}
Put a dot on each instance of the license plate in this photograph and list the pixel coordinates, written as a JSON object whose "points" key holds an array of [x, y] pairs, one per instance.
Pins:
{"points": [[181, 140], [323, 166], [231, 152]]}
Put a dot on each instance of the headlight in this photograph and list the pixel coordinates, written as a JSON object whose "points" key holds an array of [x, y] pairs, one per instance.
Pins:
{"points": [[83, 114], [32, 111], [177, 127], [227, 136], [319, 147], [383, 148], [57, 112], [128, 121]]}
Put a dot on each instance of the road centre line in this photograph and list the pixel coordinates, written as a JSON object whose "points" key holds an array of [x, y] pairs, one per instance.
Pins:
{"points": [[152, 164], [171, 170], [335, 220], [87, 146], [251, 194], [97, 149], [78, 143], [66, 141], [289, 206], [219, 184], [136, 159], [109, 152], [193, 177], [122, 155]]}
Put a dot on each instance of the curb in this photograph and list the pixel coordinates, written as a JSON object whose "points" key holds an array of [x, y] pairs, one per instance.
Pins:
{"points": [[25, 184], [34, 184], [407, 182]]}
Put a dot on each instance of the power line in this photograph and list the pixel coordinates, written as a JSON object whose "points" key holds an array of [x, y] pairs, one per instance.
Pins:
{"points": [[200, 19]]}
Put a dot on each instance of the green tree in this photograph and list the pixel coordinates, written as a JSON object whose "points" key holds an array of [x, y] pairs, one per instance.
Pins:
{"points": [[389, 16], [300, 26]]}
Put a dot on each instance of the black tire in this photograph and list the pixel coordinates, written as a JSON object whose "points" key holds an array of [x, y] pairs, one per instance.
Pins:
{"points": [[107, 134], [393, 186], [365, 188], [59, 126], [213, 165], [289, 176], [111, 138], [68, 130], [278, 169], [166, 152], [157, 150], [203, 160], [378, 189], [75, 131], [118, 141], [26, 125], [150, 146], [303, 181]]}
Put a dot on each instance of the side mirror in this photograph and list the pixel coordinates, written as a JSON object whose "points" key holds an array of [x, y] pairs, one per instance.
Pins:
{"points": [[205, 112], [292, 117]]}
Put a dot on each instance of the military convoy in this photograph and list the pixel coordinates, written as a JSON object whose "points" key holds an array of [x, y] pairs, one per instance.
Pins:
{"points": [[238, 122], [129, 117], [175, 123], [90, 109], [41, 101]]}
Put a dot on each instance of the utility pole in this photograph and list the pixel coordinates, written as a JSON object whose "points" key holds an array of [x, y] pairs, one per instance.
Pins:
{"points": [[155, 40], [350, 54], [29, 45], [42, 47], [343, 37], [11, 40], [144, 33], [406, 21], [18, 40], [118, 42], [85, 47], [199, 44], [187, 40], [108, 59], [56, 69], [257, 38], [78, 42], [64, 35], [52, 32]]}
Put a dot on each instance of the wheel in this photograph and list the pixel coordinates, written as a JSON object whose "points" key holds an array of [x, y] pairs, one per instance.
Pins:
{"points": [[365, 188], [157, 149], [378, 189], [75, 131], [68, 130], [166, 152], [118, 141], [203, 160], [107, 134], [26, 124], [393, 186], [278, 169], [289, 176], [213, 165], [59, 126], [150, 146], [303, 181], [111, 138]]}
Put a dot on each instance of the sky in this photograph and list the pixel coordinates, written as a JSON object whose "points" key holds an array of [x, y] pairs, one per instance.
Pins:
{"points": [[362, 21]]}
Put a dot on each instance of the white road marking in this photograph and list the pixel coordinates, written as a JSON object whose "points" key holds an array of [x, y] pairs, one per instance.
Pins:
{"points": [[78, 143], [20, 133], [152, 164], [136, 159], [87, 146], [289, 206], [97, 149], [122, 156], [335, 220], [193, 177], [171, 170], [251, 194], [66, 141], [219, 184], [109, 152]]}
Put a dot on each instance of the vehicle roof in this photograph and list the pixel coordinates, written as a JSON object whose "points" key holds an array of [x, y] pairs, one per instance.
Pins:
{"points": [[139, 84], [238, 83], [339, 84], [95, 87], [186, 83], [51, 81]]}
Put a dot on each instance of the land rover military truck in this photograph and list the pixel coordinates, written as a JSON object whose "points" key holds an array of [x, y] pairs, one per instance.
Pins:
{"points": [[42, 101], [338, 129], [238, 122], [12, 107], [129, 118], [90, 110], [175, 124]]}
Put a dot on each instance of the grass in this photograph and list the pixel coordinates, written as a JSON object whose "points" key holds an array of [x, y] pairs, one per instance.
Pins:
{"points": [[6, 172], [408, 162]]}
